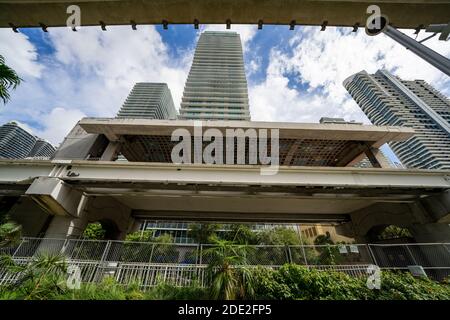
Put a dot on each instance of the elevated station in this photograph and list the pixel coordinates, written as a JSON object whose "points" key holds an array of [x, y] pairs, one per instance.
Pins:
{"points": [[315, 182]]}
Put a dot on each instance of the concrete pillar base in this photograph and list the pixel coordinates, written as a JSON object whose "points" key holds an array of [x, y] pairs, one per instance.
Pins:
{"points": [[431, 232], [66, 227]]}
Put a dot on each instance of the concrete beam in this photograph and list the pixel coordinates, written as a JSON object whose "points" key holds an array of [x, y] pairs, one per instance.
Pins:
{"points": [[438, 206], [113, 128], [104, 171], [239, 217], [111, 152], [55, 196], [402, 13]]}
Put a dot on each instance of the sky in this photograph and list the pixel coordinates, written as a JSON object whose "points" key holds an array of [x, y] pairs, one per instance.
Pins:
{"points": [[293, 76]]}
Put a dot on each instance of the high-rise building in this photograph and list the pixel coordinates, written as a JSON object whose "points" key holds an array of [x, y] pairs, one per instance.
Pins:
{"points": [[15, 142], [216, 88], [42, 148], [150, 101], [18, 143], [327, 120], [388, 100], [365, 162]]}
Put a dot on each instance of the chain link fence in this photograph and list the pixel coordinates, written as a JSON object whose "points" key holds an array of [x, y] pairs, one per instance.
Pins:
{"points": [[183, 264]]}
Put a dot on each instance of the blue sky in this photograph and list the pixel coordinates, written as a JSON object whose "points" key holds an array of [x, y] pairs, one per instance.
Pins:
{"points": [[292, 75]]}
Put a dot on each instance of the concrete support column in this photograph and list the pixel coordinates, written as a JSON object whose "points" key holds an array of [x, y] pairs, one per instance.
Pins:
{"points": [[376, 158], [431, 232], [66, 227], [111, 152], [69, 226]]}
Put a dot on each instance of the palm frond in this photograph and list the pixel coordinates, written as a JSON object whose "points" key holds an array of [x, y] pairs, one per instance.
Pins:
{"points": [[9, 79]]}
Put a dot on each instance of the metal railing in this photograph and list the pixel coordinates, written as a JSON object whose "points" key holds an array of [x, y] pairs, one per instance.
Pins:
{"points": [[183, 264]]}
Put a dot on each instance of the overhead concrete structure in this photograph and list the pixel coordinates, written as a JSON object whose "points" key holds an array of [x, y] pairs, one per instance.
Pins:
{"points": [[310, 144], [402, 13], [76, 191]]}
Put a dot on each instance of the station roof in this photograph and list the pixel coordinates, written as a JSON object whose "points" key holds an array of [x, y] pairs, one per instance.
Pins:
{"points": [[300, 144]]}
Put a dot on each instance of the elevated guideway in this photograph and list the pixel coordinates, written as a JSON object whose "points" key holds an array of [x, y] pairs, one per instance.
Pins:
{"points": [[206, 192], [52, 13]]}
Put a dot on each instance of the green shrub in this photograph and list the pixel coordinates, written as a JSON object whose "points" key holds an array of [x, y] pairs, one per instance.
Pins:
{"points": [[404, 286], [94, 231], [164, 291], [297, 282]]}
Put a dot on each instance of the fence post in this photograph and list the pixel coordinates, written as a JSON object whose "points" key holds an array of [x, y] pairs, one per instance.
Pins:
{"points": [[304, 254], [372, 255], [289, 254], [201, 254], [151, 252], [445, 247], [411, 254], [63, 248], [106, 251], [18, 247]]}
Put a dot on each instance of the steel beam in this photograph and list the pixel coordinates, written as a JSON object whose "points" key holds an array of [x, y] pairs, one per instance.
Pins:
{"points": [[51, 13]]}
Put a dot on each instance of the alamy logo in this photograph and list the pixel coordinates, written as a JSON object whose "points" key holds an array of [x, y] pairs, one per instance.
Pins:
{"points": [[237, 142], [374, 279]]}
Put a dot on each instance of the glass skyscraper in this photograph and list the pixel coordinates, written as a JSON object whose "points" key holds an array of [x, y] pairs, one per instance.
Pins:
{"points": [[42, 148], [18, 143], [149, 101], [216, 88], [388, 100]]}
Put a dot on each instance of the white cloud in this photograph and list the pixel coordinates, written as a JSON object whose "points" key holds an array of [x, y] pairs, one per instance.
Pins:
{"points": [[90, 73], [247, 32], [322, 60], [20, 54], [58, 122]]}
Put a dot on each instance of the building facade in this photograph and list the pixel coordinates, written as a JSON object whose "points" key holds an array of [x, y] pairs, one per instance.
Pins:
{"points": [[216, 88], [18, 143], [388, 100], [149, 101], [42, 149]]}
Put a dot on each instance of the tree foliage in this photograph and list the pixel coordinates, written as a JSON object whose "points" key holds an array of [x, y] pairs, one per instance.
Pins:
{"points": [[203, 232], [94, 231], [228, 267], [10, 233], [394, 232], [8, 80], [39, 279]]}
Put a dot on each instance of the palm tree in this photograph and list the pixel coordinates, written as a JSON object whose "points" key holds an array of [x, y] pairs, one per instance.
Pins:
{"points": [[8, 79], [231, 276], [38, 279]]}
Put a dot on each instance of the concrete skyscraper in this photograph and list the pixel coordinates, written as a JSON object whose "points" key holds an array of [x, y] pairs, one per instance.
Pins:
{"points": [[216, 88], [150, 101], [388, 100]]}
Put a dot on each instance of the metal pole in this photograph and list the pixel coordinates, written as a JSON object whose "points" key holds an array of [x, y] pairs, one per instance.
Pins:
{"points": [[299, 231], [151, 253], [372, 255], [431, 56], [411, 254], [18, 247], [106, 251]]}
